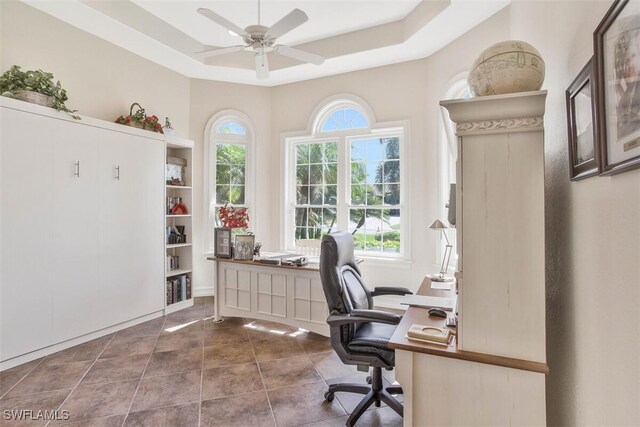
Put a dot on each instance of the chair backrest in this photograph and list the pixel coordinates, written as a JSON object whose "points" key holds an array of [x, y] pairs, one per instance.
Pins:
{"points": [[343, 286]]}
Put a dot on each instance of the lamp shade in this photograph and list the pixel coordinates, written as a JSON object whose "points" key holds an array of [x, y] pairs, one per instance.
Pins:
{"points": [[438, 225]]}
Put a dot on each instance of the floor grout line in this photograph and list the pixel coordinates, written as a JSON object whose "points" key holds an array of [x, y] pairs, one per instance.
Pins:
{"points": [[24, 376], [143, 372], [204, 325], [203, 319], [264, 386], [84, 375]]}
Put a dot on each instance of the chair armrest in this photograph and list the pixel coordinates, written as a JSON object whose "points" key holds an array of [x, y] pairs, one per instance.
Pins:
{"points": [[390, 290], [360, 316]]}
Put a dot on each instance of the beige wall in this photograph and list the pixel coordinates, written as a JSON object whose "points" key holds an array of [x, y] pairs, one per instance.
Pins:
{"points": [[409, 90], [207, 99], [102, 80], [593, 243]]}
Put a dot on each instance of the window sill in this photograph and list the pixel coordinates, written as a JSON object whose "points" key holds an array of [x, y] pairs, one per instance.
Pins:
{"points": [[402, 263]]}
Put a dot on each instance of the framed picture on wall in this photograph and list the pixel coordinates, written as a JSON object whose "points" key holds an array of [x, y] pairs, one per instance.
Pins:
{"points": [[580, 124], [222, 238], [243, 248], [617, 71]]}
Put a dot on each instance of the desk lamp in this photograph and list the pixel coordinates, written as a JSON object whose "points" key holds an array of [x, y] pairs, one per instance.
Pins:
{"points": [[442, 277]]}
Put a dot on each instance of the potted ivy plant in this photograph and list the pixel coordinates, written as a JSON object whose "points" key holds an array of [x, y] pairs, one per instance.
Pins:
{"points": [[35, 86]]}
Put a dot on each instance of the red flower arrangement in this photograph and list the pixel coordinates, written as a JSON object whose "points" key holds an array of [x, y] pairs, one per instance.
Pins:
{"points": [[139, 119], [233, 217]]}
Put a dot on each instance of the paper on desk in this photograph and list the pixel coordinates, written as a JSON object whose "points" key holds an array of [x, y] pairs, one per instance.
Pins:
{"points": [[425, 301]]}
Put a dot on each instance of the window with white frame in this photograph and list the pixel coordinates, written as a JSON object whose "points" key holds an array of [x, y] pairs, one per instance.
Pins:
{"points": [[348, 175], [447, 157], [228, 168]]}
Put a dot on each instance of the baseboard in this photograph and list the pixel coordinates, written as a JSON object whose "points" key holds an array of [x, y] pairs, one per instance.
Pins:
{"points": [[19, 360], [203, 292]]}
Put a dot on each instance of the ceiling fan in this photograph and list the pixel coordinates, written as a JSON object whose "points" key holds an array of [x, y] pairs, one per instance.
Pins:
{"points": [[262, 39]]}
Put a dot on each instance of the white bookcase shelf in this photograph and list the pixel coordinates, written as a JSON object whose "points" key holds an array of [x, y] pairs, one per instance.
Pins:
{"points": [[178, 281], [177, 272], [178, 245]]}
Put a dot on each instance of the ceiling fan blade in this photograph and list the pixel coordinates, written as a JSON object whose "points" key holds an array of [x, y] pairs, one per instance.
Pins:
{"points": [[298, 54], [294, 19], [221, 21], [262, 66], [219, 51]]}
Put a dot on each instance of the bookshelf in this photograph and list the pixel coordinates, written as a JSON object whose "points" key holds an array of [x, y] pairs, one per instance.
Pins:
{"points": [[178, 224]]}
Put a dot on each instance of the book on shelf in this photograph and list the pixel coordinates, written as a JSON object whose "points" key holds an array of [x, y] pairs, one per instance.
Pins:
{"points": [[183, 287], [178, 289], [173, 262]]}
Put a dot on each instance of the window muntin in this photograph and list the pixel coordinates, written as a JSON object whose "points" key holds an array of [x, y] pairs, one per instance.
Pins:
{"points": [[231, 127], [344, 119], [374, 209], [316, 189]]}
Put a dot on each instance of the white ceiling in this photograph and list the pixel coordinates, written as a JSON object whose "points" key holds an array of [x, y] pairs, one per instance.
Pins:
{"points": [[351, 34], [326, 18]]}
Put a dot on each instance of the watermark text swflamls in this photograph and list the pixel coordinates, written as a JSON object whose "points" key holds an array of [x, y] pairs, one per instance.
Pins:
{"points": [[30, 415]]}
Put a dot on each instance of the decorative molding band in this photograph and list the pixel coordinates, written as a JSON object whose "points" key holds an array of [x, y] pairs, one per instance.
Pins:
{"points": [[492, 126]]}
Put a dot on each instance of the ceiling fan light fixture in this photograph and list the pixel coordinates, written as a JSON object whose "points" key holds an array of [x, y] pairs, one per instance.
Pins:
{"points": [[262, 39]]}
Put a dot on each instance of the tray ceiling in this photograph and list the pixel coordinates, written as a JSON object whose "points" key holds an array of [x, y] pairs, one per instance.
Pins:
{"points": [[351, 34]]}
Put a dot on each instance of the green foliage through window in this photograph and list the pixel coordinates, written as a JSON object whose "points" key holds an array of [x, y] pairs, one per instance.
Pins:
{"points": [[316, 189], [230, 174]]}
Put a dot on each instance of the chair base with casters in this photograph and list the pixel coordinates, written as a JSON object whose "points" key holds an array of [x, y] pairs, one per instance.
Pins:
{"points": [[374, 394]]}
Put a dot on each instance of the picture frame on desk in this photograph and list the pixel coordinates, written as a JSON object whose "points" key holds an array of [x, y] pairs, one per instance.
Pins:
{"points": [[243, 248], [583, 158], [222, 238], [616, 43]]}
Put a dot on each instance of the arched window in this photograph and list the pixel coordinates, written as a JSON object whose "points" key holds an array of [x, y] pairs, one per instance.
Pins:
{"points": [[344, 119], [229, 141], [457, 88], [346, 174]]}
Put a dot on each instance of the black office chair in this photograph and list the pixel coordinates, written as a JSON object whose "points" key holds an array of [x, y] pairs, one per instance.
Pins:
{"points": [[359, 335]]}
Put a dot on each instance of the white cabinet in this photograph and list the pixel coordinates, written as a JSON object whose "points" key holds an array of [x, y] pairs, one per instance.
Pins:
{"points": [[131, 200], [75, 229], [500, 220], [26, 233], [82, 204]]}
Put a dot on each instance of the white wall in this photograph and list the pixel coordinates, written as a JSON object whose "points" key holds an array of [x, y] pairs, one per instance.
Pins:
{"points": [[593, 242], [102, 80], [208, 98], [409, 90]]}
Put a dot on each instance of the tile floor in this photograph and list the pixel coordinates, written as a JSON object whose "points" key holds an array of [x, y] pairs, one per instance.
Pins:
{"points": [[183, 370]]}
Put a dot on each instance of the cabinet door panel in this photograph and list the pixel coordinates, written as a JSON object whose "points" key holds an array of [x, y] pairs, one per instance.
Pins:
{"points": [[130, 226], [75, 230], [26, 232], [148, 157]]}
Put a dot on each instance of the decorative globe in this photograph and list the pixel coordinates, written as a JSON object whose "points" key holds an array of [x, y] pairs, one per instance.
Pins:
{"points": [[507, 67]]}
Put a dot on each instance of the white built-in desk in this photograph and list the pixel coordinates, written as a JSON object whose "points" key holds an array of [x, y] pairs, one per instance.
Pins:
{"points": [[279, 293], [494, 374]]}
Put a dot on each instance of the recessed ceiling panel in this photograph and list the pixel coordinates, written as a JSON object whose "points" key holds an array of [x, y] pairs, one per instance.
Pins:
{"points": [[326, 17]]}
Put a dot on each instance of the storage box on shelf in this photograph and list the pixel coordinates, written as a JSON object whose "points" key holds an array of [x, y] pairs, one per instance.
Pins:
{"points": [[178, 223]]}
